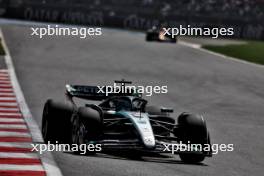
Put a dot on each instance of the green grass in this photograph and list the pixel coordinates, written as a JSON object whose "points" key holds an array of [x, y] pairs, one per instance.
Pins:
{"points": [[2, 52], [250, 51]]}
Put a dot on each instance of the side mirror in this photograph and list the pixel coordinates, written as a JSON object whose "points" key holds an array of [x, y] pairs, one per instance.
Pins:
{"points": [[166, 110]]}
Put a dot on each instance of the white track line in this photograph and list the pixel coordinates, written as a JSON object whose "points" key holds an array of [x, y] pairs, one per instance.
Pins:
{"points": [[13, 134], [47, 159], [21, 167], [5, 126], [192, 45], [18, 155]]}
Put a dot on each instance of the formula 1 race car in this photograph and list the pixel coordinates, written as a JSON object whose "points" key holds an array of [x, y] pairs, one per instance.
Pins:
{"points": [[122, 121], [158, 34]]}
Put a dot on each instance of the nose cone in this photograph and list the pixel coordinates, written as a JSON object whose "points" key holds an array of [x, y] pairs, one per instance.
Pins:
{"points": [[149, 142], [143, 126]]}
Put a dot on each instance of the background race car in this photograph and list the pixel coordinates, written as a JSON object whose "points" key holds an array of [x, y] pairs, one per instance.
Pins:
{"points": [[158, 34]]}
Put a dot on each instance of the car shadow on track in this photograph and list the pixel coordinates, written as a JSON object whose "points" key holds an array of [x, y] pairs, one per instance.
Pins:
{"points": [[139, 156]]}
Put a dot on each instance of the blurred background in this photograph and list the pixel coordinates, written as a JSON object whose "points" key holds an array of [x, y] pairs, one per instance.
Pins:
{"points": [[246, 16], [228, 92]]}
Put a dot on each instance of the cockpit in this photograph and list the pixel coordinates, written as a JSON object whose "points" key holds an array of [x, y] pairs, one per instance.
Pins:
{"points": [[124, 103]]}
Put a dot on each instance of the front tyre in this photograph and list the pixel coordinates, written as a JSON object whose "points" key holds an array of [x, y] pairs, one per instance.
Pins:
{"points": [[193, 130]]}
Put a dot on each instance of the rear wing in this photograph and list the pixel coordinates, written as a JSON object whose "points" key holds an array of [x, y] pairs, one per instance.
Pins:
{"points": [[85, 92], [94, 93]]}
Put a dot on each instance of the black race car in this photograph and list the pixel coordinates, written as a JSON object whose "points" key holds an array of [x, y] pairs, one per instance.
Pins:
{"points": [[123, 121], [159, 34]]}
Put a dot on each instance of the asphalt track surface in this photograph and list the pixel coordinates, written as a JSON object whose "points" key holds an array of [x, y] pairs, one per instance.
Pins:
{"points": [[229, 94]]}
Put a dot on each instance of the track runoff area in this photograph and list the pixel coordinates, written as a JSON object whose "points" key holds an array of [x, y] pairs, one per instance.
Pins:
{"points": [[18, 130], [16, 156]]}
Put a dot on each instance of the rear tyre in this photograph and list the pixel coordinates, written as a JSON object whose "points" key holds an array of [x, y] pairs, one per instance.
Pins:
{"points": [[154, 110], [192, 129], [56, 122]]}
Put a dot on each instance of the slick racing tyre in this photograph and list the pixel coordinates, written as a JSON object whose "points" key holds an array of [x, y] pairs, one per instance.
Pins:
{"points": [[86, 127], [192, 130], [56, 122]]}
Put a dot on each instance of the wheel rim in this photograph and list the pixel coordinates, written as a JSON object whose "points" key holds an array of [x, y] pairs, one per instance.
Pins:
{"points": [[81, 135], [75, 131]]}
